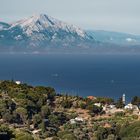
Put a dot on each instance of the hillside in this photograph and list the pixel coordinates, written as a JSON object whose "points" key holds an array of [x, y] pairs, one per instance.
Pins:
{"points": [[37, 113]]}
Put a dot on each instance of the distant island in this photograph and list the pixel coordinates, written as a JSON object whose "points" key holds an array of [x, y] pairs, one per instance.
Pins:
{"points": [[37, 112], [44, 34]]}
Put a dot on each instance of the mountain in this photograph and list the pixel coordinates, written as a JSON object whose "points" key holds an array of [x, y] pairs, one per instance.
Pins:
{"points": [[115, 37], [4, 25], [42, 33]]}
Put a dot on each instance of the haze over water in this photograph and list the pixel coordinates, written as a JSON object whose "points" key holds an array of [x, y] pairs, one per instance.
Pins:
{"points": [[97, 75]]}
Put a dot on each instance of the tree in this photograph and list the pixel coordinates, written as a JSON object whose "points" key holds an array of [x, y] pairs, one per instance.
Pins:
{"points": [[111, 137], [8, 117], [46, 90], [69, 137], [120, 103], [55, 138], [66, 103], [22, 112], [94, 109], [43, 126], [28, 123], [102, 133], [24, 136], [51, 93], [45, 111], [10, 105], [5, 133], [136, 101], [119, 114], [3, 107], [37, 120], [31, 108], [82, 105], [104, 100], [54, 120], [131, 131], [66, 135]]}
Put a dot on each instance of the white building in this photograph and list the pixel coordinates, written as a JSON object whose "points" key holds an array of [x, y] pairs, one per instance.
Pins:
{"points": [[79, 119], [108, 107], [98, 104], [131, 106], [128, 106], [76, 120], [18, 82], [112, 106], [72, 121]]}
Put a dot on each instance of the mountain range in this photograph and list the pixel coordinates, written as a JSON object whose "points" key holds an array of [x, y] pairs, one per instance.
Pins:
{"points": [[115, 37], [42, 33]]}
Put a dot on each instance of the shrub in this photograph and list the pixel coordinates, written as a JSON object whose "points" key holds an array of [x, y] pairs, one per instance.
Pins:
{"points": [[66, 103], [69, 137], [55, 138], [66, 135], [119, 114], [37, 120], [5, 133], [24, 136], [135, 117], [132, 130]]}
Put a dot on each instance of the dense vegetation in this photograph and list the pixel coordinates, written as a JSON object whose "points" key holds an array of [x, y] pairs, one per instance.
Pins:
{"points": [[25, 109]]}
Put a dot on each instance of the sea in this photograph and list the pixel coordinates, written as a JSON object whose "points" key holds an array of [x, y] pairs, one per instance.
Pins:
{"points": [[76, 74]]}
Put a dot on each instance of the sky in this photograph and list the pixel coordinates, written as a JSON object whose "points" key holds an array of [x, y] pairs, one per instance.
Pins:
{"points": [[113, 15]]}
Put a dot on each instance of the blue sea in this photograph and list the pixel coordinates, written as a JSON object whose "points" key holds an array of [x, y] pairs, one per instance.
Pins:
{"points": [[82, 74]]}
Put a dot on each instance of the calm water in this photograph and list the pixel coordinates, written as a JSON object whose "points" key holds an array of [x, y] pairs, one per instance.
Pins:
{"points": [[97, 75]]}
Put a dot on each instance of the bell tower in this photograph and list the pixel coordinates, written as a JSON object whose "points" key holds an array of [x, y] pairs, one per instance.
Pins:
{"points": [[123, 98]]}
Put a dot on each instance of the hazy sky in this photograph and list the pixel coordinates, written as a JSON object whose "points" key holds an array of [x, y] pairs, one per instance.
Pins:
{"points": [[116, 15]]}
